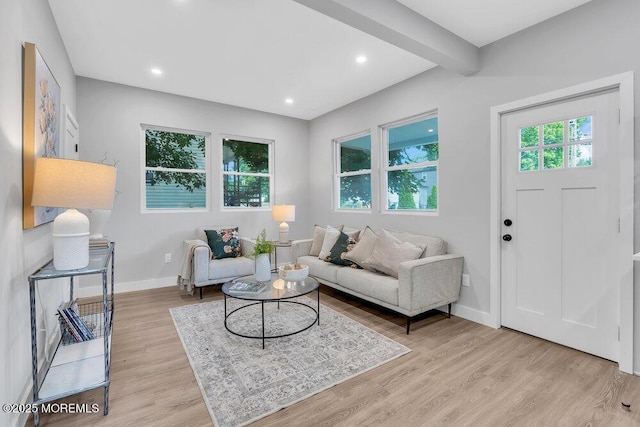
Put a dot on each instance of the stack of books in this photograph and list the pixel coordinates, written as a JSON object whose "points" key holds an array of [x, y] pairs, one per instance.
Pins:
{"points": [[75, 325], [247, 287], [99, 242]]}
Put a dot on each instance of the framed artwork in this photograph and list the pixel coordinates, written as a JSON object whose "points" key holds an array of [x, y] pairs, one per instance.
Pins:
{"points": [[41, 129]]}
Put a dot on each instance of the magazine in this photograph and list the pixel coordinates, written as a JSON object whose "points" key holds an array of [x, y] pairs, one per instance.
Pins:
{"points": [[247, 287]]}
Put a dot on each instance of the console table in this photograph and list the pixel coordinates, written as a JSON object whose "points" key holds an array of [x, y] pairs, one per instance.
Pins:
{"points": [[76, 366]]}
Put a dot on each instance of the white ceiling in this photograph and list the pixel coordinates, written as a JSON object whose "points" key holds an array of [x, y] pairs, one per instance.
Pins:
{"points": [[257, 53]]}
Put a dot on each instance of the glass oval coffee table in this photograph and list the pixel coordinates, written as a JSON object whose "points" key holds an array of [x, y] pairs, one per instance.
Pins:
{"points": [[275, 291]]}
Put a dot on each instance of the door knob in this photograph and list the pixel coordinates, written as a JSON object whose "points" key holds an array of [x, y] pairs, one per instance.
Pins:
{"points": [[507, 237], [508, 222]]}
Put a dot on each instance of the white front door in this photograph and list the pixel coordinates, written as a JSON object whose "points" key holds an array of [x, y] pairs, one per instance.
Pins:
{"points": [[560, 187]]}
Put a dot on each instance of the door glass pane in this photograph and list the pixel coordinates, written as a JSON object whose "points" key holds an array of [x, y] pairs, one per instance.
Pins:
{"points": [[580, 155], [553, 133], [355, 192], [529, 160], [553, 157], [580, 129], [355, 154], [529, 137], [413, 189]]}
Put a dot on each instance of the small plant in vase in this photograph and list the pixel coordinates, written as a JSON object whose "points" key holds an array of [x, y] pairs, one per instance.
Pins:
{"points": [[262, 251]]}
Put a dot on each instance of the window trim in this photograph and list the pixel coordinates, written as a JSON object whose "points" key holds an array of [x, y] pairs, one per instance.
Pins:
{"points": [[143, 159], [271, 175], [337, 174], [385, 168]]}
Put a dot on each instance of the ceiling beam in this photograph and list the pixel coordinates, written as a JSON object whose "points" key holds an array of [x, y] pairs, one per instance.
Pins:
{"points": [[403, 27]]}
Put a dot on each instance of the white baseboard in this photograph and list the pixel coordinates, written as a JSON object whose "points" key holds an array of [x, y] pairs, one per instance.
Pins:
{"points": [[470, 314], [140, 285]]}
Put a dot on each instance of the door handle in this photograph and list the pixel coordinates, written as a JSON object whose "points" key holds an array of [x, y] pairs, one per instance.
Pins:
{"points": [[508, 222], [507, 237]]}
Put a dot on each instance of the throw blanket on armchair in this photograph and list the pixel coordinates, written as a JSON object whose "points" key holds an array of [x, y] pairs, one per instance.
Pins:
{"points": [[186, 277]]}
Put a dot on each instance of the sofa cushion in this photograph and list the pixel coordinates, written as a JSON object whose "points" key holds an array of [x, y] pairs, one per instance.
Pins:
{"points": [[224, 243], [228, 268], [389, 252], [364, 247], [433, 245], [320, 269], [318, 239], [340, 249], [369, 283]]}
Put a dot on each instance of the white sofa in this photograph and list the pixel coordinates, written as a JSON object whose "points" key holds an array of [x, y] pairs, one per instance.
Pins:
{"points": [[431, 281], [210, 272]]}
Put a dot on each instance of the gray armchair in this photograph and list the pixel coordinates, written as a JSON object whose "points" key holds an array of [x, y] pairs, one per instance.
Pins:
{"points": [[206, 271]]}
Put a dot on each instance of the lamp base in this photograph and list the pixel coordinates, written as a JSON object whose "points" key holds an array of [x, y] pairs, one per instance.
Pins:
{"points": [[283, 230], [70, 240]]}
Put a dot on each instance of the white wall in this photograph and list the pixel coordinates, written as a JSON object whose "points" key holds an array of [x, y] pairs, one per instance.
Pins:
{"points": [[596, 40], [110, 116], [22, 251]]}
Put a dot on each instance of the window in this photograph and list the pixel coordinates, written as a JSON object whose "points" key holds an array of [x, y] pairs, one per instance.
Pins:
{"points": [[246, 173], [565, 144], [175, 169], [353, 172], [411, 164]]}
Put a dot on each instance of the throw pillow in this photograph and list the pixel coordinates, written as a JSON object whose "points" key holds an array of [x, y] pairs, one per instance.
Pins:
{"points": [[318, 239], [389, 252], [224, 243], [364, 247], [330, 237], [340, 249]]}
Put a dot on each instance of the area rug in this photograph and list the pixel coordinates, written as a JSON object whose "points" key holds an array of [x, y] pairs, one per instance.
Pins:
{"points": [[241, 382]]}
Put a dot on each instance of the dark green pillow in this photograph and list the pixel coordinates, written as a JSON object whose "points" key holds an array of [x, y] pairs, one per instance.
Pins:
{"points": [[343, 245], [224, 243]]}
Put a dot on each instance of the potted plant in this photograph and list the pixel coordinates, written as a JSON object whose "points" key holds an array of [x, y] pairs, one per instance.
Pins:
{"points": [[262, 251]]}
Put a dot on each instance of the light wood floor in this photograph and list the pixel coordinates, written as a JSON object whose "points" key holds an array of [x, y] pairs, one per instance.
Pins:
{"points": [[459, 373]]}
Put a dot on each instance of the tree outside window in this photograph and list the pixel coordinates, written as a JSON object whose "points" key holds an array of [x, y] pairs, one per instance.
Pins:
{"points": [[175, 169], [412, 150], [353, 172], [246, 173]]}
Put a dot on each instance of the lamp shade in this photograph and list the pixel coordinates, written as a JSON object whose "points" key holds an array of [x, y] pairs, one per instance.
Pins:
{"points": [[72, 184], [65, 183], [284, 213]]}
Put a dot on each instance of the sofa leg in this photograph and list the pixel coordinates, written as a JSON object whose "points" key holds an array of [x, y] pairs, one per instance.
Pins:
{"points": [[408, 324], [201, 294], [449, 314]]}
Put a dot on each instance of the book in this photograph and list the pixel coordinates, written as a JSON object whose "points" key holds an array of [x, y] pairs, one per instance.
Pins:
{"points": [[74, 323], [247, 287], [99, 242], [69, 325]]}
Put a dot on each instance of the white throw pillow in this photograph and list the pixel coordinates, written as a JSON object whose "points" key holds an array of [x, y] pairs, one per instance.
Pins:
{"points": [[318, 239], [330, 238], [364, 247], [389, 252]]}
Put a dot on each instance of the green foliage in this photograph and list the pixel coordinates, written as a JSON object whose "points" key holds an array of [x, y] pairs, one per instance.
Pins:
{"points": [[529, 136], [553, 133], [176, 151], [432, 200], [247, 156], [262, 245], [553, 158]]}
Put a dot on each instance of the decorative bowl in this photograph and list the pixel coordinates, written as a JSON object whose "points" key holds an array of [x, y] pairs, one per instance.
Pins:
{"points": [[293, 272]]}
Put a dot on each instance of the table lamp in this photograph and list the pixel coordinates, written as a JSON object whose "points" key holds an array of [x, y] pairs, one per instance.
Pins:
{"points": [[72, 184], [284, 213]]}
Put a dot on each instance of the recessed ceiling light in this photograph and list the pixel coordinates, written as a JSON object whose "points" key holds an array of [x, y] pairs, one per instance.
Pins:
{"points": [[361, 59], [289, 100], [156, 71]]}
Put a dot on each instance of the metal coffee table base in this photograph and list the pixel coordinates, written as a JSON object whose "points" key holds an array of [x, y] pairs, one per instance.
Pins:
{"points": [[264, 337]]}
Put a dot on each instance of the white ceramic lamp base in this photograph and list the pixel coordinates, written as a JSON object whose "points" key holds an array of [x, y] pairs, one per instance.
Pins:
{"points": [[283, 229], [70, 240]]}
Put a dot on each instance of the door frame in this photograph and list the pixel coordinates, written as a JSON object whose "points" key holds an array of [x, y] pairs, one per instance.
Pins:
{"points": [[624, 83]]}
